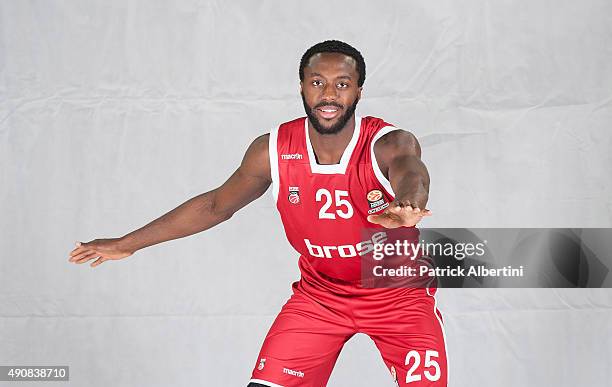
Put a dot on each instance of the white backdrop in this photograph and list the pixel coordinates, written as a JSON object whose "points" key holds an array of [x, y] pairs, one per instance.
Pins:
{"points": [[114, 112]]}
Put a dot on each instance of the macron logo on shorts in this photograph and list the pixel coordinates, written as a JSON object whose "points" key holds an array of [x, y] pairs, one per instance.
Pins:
{"points": [[292, 156], [287, 371]]}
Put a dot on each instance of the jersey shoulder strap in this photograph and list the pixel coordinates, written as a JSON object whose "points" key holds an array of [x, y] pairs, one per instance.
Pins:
{"points": [[287, 142]]}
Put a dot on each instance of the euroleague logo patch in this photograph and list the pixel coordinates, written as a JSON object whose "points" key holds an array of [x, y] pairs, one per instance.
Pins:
{"points": [[376, 200], [294, 195], [374, 195]]}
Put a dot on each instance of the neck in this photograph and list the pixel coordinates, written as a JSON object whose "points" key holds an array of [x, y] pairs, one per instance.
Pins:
{"points": [[328, 148]]}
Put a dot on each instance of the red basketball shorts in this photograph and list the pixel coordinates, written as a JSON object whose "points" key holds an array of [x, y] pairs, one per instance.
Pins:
{"points": [[307, 336]]}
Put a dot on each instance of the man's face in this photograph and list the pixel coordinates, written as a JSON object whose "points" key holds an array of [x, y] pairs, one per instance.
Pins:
{"points": [[329, 91]]}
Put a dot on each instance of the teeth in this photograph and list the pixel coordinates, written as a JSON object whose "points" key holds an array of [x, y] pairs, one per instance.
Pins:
{"points": [[328, 111]]}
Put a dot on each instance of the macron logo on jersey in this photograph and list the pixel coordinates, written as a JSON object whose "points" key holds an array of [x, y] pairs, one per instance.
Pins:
{"points": [[287, 371], [292, 156]]}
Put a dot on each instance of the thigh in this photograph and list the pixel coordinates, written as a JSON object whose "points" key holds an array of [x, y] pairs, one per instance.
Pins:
{"points": [[410, 337], [302, 345]]}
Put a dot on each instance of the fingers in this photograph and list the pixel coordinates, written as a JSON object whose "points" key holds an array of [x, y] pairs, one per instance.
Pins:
{"points": [[397, 216], [86, 257], [79, 254], [385, 219], [394, 210], [96, 250], [98, 261], [82, 253], [79, 257], [376, 219], [402, 204], [415, 210], [420, 213], [78, 249], [397, 208]]}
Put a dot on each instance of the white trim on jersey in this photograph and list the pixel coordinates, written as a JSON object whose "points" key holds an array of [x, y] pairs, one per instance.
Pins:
{"points": [[273, 153], [330, 169], [435, 311], [265, 383], [379, 175]]}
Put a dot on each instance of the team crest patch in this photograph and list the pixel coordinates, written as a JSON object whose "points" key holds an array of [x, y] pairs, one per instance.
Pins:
{"points": [[294, 195], [376, 200], [262, 364]]}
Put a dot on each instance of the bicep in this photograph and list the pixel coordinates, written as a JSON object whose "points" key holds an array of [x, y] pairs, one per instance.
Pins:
{"points": [[250, 180]]}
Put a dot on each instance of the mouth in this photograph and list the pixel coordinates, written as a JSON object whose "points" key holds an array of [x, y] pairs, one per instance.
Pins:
{"points": [[328, 112]]}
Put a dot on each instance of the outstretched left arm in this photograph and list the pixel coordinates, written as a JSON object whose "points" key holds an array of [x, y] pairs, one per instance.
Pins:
{"points": [[399, 158]]}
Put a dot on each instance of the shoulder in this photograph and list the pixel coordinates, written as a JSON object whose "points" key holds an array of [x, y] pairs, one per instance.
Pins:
{"points": [[397, 142], [259, 147], [294, 124], [256, 161], [373, 124], [261, 141]]}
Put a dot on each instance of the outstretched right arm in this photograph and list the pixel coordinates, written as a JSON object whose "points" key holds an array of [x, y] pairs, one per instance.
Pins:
{"points": [[247, 183]]}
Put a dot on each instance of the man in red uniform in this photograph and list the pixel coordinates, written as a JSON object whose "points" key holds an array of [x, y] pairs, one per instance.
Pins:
{"points": [[333, 175]]}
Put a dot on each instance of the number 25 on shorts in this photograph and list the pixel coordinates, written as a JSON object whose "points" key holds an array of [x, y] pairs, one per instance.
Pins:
{"points": [[431, 368]]}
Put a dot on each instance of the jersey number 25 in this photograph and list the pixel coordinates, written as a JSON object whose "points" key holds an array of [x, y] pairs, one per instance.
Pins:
{"points": [[343, 206]]}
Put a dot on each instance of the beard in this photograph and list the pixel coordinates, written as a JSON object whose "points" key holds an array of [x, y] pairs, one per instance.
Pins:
{"points": [[335, 128]]}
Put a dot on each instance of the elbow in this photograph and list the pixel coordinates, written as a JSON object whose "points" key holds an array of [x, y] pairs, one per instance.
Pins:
{"points": [[219, 212], [223, 216]]}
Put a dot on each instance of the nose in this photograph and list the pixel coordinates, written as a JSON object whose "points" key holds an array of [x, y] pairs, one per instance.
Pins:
{"points": [[330, 93]]}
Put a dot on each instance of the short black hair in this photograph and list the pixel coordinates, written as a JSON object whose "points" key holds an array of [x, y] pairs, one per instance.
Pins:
{"points": [[335, 46]]}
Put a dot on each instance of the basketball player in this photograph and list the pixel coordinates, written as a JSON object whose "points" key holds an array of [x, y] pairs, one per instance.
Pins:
{"points": [[333, 174]]}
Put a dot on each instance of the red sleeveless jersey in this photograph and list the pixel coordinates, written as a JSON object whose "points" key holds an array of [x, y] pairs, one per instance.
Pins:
{"points": [[324, 208]]}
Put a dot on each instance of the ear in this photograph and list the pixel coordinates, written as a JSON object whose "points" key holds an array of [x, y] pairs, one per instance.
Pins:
{"points": [[301, 85], [359, 92]]}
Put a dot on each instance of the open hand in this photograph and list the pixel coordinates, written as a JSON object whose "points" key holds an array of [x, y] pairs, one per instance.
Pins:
{"points": [[399, 216], [103, 249]]}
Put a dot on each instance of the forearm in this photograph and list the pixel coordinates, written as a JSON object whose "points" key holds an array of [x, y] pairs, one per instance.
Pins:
{"points": [[410, 181], [195, 215]]}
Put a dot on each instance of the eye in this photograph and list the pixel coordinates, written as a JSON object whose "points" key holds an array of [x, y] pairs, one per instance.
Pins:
{"points": [[342, 85], [317, 82]]}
